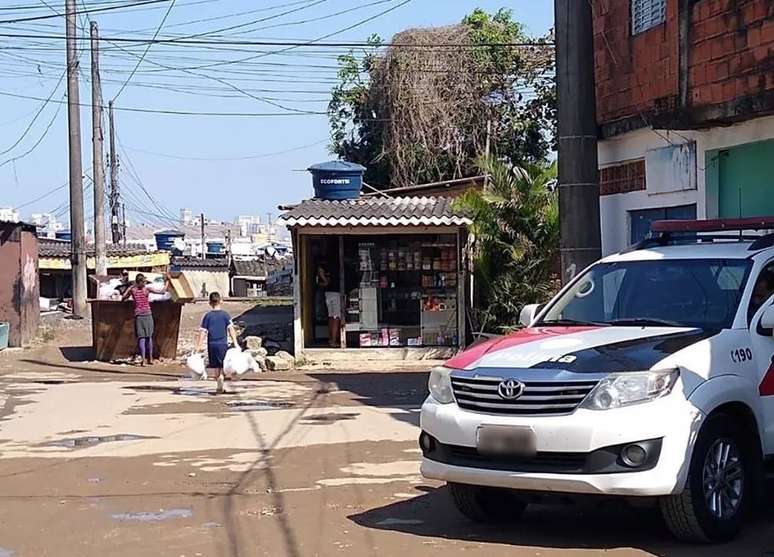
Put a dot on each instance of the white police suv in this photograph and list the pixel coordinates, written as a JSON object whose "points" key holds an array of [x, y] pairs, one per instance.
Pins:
{"points": [[649, 376]]}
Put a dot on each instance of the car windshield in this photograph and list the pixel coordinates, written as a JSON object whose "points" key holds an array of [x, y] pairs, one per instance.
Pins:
{"points": [[703, 293]]}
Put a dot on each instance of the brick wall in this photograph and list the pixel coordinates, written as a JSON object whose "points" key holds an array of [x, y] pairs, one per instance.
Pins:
{"points": [[622, 178], [732, 50], [731, 57], [636, 74]]}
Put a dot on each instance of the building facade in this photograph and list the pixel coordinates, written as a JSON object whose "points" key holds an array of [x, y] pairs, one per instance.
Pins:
{"points": [[19, 287], [685, 107]]}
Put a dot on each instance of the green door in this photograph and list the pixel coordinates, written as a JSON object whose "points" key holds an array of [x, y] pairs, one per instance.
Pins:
{"points": [[745, 177]]}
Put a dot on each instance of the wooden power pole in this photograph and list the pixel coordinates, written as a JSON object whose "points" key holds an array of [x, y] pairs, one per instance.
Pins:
{"points": [[77, 244], [580, 243], [96, 156], [115, 199]]}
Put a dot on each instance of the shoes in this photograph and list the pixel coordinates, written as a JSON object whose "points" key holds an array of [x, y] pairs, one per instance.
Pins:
{"points": [[220, 390]]}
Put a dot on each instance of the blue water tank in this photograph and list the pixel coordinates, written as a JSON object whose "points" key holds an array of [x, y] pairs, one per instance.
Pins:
{"points": [[165, 239], [215, 247], [336, 180], [63, 235]]}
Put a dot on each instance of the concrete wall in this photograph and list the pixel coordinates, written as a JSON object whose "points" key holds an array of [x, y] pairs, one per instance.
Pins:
{"points": [[19, 290], [215, 281], [636, 145]]}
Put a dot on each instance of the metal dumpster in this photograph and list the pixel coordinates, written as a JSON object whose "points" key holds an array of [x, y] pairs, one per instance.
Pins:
{"points": [[112, 329]]}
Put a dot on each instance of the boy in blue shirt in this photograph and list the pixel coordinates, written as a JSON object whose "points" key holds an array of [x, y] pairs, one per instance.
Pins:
{"points": [[216, 328]]}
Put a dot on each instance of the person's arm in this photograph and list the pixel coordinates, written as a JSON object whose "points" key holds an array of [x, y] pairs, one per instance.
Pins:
{"points": [[127, 294], [200, 340], [202, 333], [232, 333]]}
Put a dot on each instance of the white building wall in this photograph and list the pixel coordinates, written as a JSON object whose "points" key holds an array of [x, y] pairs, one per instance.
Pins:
{"points": [[614, 209]]}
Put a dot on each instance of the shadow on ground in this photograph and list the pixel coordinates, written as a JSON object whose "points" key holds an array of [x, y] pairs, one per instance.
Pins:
{"points": [[599, 527]]}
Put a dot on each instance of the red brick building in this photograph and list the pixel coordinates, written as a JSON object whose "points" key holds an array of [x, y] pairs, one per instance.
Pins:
{"points": [[685, 106]]}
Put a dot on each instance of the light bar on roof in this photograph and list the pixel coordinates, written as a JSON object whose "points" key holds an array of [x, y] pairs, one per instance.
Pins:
{"points": [[713, 225]]}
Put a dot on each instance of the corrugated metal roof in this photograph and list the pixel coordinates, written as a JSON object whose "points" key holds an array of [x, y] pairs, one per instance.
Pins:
{"points": [[253, 268], [372, 211], [185, 262], [61, 249]]}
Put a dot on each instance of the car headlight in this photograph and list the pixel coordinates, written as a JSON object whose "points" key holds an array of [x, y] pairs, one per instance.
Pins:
{"points": [[623, 389], [440, 385]]}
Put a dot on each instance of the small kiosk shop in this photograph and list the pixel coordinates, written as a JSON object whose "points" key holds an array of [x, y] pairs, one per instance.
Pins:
{"points": [[397, 265]]}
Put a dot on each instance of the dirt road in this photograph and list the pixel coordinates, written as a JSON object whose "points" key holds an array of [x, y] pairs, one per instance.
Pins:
{"points": [[102, 460]]}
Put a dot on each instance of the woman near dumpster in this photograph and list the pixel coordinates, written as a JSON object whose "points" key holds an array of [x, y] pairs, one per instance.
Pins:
{"points": [[143, 317]]}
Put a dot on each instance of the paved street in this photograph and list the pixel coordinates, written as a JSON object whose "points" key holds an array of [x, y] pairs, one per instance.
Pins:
{"points": [[115, 460]]}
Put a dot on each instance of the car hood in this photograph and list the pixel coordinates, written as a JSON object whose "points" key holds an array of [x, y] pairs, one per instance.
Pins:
{"points": [[580, 349]]}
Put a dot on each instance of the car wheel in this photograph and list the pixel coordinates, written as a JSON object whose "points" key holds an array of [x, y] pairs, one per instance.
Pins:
{"points": [[486, 504], [719, 487]]}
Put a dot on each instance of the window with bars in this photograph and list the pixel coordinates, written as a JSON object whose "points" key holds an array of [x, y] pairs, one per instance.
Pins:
{"points": [[647, 14]]}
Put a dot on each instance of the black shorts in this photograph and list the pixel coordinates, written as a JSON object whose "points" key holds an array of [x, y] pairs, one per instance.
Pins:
{"points": [[216, 353]]}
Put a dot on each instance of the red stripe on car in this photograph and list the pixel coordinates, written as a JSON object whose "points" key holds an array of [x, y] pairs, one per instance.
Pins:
{"points": [[766, 387], [465, 359]]}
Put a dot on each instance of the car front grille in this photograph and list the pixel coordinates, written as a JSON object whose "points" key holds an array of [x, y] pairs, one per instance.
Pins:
{"points": [[479, 394]]}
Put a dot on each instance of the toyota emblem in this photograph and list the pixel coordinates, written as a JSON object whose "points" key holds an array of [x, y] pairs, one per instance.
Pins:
{"points": [[510, 389]]}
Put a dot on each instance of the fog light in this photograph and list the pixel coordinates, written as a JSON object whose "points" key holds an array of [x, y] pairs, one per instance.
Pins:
{"points": [[634, 455], [426, 442]]}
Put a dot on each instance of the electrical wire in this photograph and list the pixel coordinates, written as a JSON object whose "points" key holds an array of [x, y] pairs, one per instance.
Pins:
{"points": [[91, 11], [41, 197], [37, 114], [147, 48], [42, 137], [247, 157]]}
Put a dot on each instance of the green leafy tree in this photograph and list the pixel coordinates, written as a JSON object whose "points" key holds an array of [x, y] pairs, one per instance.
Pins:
{"points": [[516, 228], [424, 108]]}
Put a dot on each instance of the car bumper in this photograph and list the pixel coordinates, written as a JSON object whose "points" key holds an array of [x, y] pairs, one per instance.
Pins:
{"points": [[671, 419]]}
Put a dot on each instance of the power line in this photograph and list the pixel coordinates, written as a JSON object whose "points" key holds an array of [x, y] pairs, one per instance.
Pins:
{"points": [[38, 113], [91, 11], [41, 197], [42, 137], [178, 112], [248, 157], [147, 48], [298, 44]]}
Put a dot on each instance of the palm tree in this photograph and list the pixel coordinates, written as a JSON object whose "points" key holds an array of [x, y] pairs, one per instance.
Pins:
{"points": [[516, 229]]}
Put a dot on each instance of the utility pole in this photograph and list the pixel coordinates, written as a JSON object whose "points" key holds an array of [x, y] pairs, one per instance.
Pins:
{"points": [[115, 216], [100, 254], [77, 243], [580, 243], [204, 246], [268, 226]]}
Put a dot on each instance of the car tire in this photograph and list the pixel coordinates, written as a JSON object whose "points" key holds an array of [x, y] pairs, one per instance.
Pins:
{"points": [[486, 504], [713, 504]]}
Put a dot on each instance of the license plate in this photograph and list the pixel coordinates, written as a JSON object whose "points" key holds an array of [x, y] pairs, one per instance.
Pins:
{"points": [[506, 441]]}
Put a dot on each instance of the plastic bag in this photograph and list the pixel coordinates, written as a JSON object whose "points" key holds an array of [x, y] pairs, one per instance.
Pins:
{"points": [[235, 361], [195, 363]]}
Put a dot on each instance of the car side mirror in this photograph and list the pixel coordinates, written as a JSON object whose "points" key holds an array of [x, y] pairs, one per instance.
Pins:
{"points": [[528, 313], [767, 321]]}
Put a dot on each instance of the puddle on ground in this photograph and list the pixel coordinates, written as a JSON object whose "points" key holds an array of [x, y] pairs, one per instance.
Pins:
{"points": [[151, 516], [323, 419], [49, 382], [91, 440], [186, 391], [246, 405], [5, 552]]}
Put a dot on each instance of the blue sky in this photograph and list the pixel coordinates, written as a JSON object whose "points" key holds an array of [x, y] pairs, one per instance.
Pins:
{"points": [[220, 188]]}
